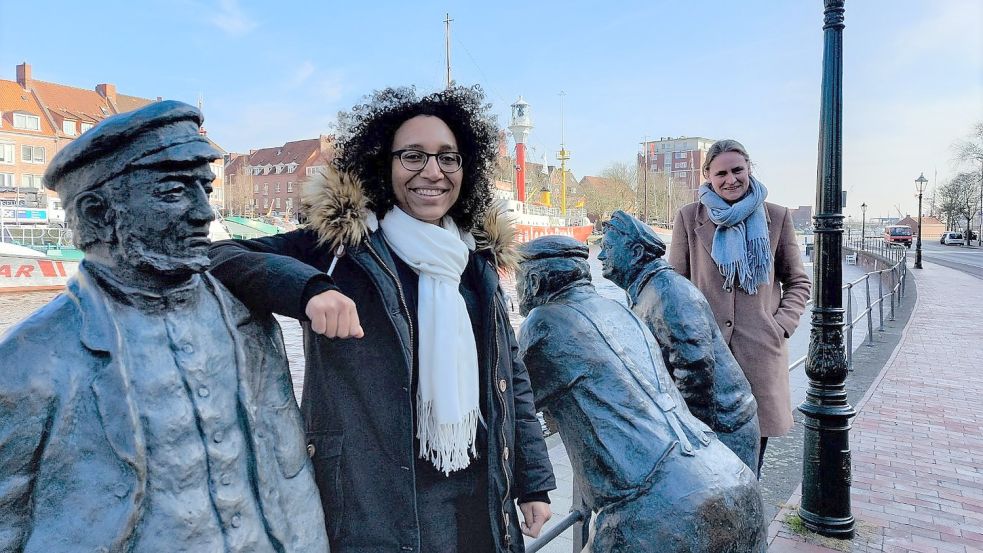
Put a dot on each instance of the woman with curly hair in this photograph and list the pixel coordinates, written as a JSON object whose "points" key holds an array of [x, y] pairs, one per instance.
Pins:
{"points": [[419, 414]]}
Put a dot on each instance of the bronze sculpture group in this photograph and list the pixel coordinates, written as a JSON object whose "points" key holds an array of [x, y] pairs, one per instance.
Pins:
{"points": [[147, 409]]}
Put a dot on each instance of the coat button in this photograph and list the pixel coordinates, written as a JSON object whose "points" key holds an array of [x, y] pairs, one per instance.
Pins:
{"points": [[728, 289], [188, 348], [236, 521], [502, 385], [226, 479], [505, 454], [728, 324], [120, 490], [203, 391], [218, 437], [310, 450]]}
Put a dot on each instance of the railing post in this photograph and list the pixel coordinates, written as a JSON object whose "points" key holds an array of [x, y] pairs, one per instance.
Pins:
{"points": [[894, 289], [880, 295], [848, 326], [870, 315]]}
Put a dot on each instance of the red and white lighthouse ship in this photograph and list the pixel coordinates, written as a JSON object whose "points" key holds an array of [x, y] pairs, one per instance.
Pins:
{"points": [[534, 220]]}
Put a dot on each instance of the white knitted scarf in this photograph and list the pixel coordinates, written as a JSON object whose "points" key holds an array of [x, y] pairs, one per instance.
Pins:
{"points": [[447, 396]]}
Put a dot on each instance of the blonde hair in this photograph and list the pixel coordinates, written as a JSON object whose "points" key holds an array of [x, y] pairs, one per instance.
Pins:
{"points": [[722, 147]]}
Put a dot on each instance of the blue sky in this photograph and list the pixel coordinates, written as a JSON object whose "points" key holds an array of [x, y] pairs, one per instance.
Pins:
{"points": [[271, 72]]}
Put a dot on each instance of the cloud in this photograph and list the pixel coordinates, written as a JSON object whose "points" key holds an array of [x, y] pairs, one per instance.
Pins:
{"points": [[303, 72], [231, 19]]}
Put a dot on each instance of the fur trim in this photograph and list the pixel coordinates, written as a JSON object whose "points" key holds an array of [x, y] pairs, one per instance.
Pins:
{"points": [[338, 211], [497, 235], [336, 207]]}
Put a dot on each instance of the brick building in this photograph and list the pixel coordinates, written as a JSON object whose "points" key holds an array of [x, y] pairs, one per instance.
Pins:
{"points": [[38, 118], [268, 181], [678, 158]]}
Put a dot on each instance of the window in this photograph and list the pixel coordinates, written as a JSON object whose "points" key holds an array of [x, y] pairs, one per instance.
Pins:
{"points": [[266, 203], [290, 186], [680, 155], [266, 169], [279, 168], [276, 202], [266, 191], [257, 170], [314, 169], [68, 127], [7, 154], [276, 188], [6, 180], [680, 165], [256, 188], [31, 181], [290, 203], [27, 121], [86, 126], [32, 154], [291, 167]]}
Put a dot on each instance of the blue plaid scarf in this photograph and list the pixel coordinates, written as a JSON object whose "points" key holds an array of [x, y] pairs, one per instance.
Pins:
{"points": [[741, 247]]}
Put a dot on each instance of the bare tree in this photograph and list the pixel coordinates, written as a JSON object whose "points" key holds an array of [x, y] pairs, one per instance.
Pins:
{"points": [[614, 192], [960, 199], [970, 151]]}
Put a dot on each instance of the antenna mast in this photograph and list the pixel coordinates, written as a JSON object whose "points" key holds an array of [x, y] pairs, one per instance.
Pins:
{"points": [[563, 156], [447, 45]]}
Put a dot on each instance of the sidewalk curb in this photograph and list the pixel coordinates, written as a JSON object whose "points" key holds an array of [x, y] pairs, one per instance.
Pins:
{"points": [[791, 506]]}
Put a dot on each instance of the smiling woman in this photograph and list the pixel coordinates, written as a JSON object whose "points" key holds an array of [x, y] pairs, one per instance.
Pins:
{"points": [[420, 416]]}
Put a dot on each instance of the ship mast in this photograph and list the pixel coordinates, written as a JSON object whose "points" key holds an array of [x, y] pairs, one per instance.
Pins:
{"points": [[563, 155], [447, 45]]}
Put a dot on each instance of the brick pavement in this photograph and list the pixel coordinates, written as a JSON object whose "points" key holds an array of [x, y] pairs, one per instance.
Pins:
{"points": [[917, 441]]}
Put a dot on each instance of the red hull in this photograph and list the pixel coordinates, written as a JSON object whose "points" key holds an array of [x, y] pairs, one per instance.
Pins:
{"points": [[525, 233]]}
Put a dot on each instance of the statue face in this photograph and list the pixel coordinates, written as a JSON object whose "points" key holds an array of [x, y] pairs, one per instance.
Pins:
{"points": [[616, 258], [162, 219]]}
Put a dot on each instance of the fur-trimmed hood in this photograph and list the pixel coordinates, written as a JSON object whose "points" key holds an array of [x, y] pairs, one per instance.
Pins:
{"points": [[339, 212]]}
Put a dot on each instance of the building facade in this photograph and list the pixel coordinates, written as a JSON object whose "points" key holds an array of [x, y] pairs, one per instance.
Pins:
{"points": [[678, 159], [37, 119], [267, 182]]}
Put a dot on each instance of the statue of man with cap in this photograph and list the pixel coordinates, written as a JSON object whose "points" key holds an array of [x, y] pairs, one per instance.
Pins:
{"points": [[705, 371], [657, 477], [144, 408]]}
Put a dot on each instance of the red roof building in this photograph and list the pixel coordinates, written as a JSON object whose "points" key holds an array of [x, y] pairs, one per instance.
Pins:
{"points": [[37, 119]]}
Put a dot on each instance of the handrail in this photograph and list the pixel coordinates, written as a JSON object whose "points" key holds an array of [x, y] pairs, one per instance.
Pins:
{"points": [[899, 273]]}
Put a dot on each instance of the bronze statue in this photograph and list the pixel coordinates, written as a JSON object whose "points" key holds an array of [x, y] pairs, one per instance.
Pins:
{"points": [[657, 477], [705, 371], [145, 408]]}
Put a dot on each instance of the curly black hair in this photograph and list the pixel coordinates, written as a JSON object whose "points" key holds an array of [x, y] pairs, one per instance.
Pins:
{"points": [[365, 138]]}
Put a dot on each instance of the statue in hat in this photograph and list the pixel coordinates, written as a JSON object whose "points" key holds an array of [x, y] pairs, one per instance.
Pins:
{"points": [[705, 371], [657, 478], [144, 408]]}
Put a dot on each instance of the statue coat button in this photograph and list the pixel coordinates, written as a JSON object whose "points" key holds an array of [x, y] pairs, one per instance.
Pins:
{"points": [[310, 450], [505, 454], [728, 324], [502, 385]]}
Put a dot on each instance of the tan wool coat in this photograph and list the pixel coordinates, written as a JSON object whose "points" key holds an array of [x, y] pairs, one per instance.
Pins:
{"points": [[755, 327]]}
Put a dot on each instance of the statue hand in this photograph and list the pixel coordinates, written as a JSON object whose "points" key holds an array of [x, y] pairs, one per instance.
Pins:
{"points": [[534, 515], [333, 314]]}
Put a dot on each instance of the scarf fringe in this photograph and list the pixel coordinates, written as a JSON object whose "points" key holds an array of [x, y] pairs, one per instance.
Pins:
{"points": [[449, 447]]}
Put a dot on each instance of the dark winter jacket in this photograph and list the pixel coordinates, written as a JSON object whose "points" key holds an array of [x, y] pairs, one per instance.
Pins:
{"points": [[358, 393]]}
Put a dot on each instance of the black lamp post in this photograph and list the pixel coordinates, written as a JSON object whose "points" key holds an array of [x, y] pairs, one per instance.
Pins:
{"points": [[920, 183], [825, 506], [863, 225]]}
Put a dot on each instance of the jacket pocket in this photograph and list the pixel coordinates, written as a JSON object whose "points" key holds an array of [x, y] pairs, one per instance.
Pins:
{"points": [[326, 455], [287, 435]]}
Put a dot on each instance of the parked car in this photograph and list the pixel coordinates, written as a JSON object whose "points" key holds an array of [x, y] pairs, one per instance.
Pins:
{"points": [[952, 239]]}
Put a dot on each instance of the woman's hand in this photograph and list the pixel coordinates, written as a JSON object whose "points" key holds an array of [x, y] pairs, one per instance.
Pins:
{"points": [[534, 516], [333, 315]]}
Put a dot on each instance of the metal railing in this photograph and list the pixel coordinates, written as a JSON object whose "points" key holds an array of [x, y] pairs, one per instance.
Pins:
{"points": [[879, 252]]}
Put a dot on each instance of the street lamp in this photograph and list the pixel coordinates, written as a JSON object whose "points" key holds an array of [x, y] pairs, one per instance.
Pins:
{"points": [[863, 225], [825, 504], [920, 183]]}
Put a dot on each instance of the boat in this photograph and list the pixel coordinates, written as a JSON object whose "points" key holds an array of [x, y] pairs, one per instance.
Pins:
{"points": [[24, 269], [533, 220]]}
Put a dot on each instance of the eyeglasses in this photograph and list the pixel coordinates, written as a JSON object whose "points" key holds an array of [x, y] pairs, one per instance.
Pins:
{"points": [[415, 160]]}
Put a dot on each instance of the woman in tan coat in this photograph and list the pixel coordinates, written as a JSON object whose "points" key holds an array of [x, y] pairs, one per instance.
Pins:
{"points": [[741, 252]]}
